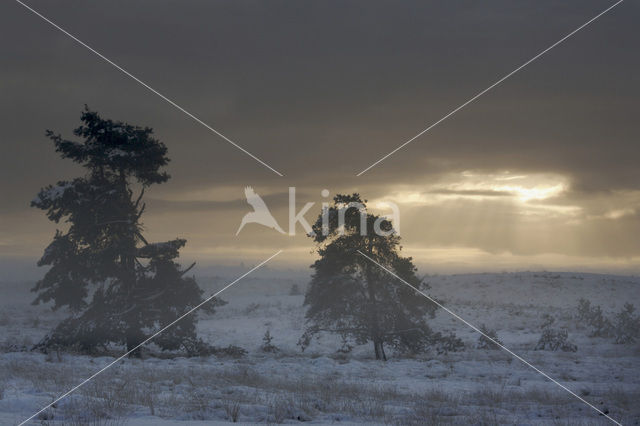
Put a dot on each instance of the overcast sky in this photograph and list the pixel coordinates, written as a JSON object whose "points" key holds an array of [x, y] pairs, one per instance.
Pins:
{"points": [[541, 172]]}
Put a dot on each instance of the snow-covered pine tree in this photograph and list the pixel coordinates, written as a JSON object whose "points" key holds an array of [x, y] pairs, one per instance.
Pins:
{"points": [[351, 296], [267, 345], [118, 287]]}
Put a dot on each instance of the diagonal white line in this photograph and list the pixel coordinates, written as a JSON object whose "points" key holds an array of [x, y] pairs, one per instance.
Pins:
{"points": [[145, 85], [85, 381], [493, 340], [490, 87]]}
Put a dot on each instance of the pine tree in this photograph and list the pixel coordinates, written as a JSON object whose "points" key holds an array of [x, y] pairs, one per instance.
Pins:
{"points": [[118, 287], [267, 346], [352, 296]]}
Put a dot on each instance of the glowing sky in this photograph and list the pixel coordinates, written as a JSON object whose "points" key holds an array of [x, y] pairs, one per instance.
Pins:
{"points": [[542, 172]]}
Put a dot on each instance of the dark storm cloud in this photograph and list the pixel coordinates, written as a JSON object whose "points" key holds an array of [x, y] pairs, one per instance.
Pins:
{"points": [[320, 90]]}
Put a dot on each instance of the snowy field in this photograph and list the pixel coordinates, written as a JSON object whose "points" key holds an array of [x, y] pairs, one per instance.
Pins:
{"points": [[322, 385]]}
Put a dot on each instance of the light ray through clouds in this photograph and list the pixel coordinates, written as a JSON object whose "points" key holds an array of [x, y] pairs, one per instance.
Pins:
{"points": [[481, 186]]}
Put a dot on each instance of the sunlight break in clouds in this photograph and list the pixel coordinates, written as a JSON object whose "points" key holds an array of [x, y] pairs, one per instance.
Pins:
{"points": [[478, 186]]}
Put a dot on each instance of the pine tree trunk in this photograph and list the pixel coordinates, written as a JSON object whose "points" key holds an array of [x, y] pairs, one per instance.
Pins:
{"points": [[133, 340], [375, 325], [378, 347], [133, 334]]}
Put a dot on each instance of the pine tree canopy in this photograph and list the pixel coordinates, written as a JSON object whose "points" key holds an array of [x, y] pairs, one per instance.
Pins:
{"points": [[114, 147], [352, 296], [118, 286]]}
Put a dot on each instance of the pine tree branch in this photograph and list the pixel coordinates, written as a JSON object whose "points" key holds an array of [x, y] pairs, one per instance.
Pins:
{"points": [[188, 269], [139, 198], [154, 296], [142, 238], [391, 333], [113, 221], [339, 330], [144, 205]]}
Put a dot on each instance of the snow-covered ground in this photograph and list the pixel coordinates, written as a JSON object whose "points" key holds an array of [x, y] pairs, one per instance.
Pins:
{"points": [[320, 385]]}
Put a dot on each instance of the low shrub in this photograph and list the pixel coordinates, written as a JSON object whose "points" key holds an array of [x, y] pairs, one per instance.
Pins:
{"points": [[593, 317], [488, 343], [295, 290], [444, 344], [267, 346], [626, 325], [555, 339]]}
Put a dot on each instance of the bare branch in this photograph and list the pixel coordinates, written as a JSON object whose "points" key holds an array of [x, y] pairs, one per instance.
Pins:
{"points": [[188, 269]]}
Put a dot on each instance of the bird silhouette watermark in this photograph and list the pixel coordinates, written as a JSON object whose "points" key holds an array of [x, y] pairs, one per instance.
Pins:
{"points": [[262, 215]]}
